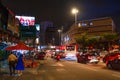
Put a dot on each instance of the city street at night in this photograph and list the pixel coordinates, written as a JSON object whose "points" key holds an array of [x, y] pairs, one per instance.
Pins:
{"points": [[66, 70], [60, 40]]}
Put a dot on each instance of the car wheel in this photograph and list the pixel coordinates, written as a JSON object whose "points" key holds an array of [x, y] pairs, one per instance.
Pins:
{"points": [[109, 66]]}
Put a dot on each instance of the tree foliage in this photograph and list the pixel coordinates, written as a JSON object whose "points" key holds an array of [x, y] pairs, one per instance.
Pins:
{"points": [[108, 38]]}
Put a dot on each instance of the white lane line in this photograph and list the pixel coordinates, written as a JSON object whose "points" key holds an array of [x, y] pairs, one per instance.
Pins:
{"points": [[115, 75], [59, 64]]}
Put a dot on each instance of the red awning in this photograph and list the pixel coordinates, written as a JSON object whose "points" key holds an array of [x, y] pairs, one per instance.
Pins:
{"points": [[19, 46]]}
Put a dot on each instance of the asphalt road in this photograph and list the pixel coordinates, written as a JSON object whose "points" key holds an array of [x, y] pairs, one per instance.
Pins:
{"points": [[66, 70], [70, 70]]}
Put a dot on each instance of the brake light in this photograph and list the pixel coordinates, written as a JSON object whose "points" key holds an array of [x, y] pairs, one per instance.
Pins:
{"points": [[118, 56], [89, 57]]}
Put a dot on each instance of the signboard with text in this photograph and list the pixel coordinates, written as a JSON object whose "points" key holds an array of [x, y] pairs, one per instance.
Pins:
{"points": [[26, 20]]}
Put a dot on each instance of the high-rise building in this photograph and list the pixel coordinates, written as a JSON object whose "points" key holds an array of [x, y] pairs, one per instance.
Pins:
{"points": [[44, 27]]}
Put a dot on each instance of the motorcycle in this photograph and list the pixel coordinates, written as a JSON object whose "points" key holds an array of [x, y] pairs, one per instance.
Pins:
{"points": [[58, 57]]}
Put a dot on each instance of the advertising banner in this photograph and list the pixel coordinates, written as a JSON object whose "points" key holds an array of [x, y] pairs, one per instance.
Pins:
{"points": [[26, 20]]}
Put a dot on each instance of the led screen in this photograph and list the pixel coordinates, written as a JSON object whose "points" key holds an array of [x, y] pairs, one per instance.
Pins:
{"points": [[26, 20]]}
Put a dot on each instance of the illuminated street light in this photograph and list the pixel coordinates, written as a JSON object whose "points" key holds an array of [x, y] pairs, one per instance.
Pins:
{"points": [[75, 12]]}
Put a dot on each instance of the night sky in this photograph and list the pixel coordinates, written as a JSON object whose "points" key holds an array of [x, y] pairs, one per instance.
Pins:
{"points": [[59, 11]]}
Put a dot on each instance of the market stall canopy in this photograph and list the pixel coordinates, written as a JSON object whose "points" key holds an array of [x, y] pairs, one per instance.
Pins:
{"points": [[19, 46]]}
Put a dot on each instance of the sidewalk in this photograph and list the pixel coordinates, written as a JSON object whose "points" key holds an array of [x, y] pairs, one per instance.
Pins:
{"points": [[27, 73], [4, 70]]}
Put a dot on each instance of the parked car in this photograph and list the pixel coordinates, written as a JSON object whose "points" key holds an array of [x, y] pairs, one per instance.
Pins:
{"points": [[112, 60], [87, 58]]}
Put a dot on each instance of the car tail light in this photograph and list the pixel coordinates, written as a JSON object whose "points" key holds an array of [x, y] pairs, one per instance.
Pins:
{"points": [[118, 56], [89, 57]]}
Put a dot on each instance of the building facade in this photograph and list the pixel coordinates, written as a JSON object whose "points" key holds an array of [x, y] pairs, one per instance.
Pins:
{"points": [[44, 30], [93, 27], [50, 36], [9, 31]]}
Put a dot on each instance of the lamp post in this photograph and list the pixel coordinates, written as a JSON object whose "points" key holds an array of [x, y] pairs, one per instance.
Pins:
{"points": [[75, 12], [59, 31]]}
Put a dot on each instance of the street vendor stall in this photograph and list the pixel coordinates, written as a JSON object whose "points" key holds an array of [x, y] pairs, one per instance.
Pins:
{"points": [[23, 46]]}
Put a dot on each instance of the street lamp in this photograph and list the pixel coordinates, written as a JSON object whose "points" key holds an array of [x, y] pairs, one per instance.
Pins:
{"points": [[59, 31], [75, 12]]}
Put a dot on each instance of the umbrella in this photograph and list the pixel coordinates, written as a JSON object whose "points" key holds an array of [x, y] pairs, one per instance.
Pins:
{"points": [[19, 46]]}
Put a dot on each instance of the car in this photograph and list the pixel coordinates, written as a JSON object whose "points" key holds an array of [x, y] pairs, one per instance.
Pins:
{"points": [[109, 56], [113, 60], [105, 58], [82, 58], [87, 58]]}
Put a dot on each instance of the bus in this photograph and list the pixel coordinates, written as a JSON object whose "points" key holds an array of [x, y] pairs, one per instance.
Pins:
{"points": [[70, 50]]}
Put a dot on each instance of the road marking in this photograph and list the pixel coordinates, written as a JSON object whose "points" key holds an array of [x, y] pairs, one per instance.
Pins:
{"points": [[59, 64], [60, 69], [116, 75], [54, 65]]}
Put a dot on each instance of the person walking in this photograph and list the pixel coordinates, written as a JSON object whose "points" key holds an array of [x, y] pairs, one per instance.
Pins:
{"points": [[12, 59], [20, 65]]}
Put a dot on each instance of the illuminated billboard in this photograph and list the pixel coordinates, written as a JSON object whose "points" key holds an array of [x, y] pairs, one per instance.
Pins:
{"points": [[26, 20]]}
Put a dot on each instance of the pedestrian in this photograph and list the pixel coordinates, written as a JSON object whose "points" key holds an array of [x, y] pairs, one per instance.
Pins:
{"points": [[20, 65], [12, 60]]}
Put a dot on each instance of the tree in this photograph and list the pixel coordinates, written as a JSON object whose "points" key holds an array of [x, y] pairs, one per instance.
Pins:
{"points": [[93, 41], [110, 38], [81, 41]]}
